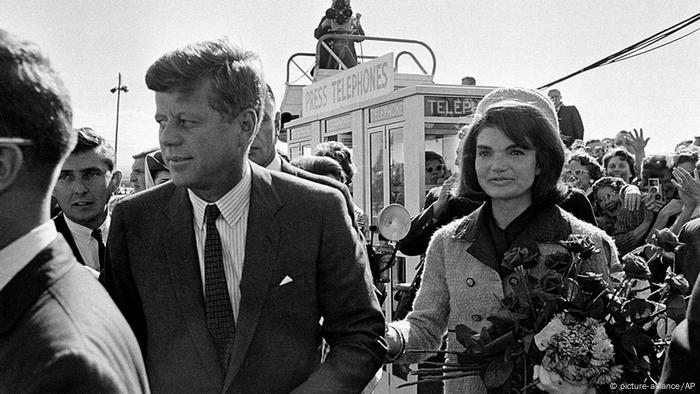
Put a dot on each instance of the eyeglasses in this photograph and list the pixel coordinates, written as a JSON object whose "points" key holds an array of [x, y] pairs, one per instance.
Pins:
{"points": [[16, 141], [438, 167]]}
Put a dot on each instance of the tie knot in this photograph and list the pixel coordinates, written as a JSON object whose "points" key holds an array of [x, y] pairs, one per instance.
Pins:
{"points": [[97, 234], [211, 213]]}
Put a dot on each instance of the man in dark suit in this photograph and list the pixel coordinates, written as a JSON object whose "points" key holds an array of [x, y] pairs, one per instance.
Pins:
{"points": [[683, 354], [225, 272], [85, 185], [570, 124], [59, 330]]}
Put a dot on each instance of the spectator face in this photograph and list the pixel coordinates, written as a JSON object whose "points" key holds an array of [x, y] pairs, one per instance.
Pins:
{"points": [[204, 149], [688, 166], [161, 177], [619, 168], [608, 200], [579, 172], [595, 149], [504, 170], [434, 172], [262, 151], [84, 188], [667, 187], [555, 96], [138, 178]]}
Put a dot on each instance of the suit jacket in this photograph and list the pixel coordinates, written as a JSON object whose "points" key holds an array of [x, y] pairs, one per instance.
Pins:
{"points": [[62, 228], [683, 354], [570, 124], [688, 258], [324, 180], [296, 228], [61, 333]]}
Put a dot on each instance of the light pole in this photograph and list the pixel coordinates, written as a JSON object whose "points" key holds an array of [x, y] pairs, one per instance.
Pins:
{"points": [[119, 89]]}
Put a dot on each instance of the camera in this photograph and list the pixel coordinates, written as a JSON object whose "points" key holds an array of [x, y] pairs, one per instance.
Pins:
{"points": [[654, 188]]}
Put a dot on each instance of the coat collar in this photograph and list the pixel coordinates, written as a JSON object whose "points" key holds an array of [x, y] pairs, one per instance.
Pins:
{"points": [[549, 225]]}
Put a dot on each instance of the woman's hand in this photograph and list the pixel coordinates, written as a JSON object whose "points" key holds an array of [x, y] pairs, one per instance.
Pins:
{"points": [[687, 183], [638, 142], [633, 198], [673, 207], [551, 382]]}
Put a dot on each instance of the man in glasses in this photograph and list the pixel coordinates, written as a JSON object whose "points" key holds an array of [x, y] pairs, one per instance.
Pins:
{"points": [[59, 330]]}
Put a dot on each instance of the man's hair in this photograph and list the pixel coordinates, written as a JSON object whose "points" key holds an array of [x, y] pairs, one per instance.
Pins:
{"points": [[235, 75], [685, 156], [89, 141], [338, 152], [528, 127], [34, 104], [623, 154], [143, 154]]}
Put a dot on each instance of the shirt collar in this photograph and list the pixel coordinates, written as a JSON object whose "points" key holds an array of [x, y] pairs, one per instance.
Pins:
{"points": [[19, 253], [276, 164], [232, 205], [85, 232]]}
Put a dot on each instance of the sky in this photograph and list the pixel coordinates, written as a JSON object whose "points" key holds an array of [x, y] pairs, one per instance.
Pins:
{"points": [[499, 42]]}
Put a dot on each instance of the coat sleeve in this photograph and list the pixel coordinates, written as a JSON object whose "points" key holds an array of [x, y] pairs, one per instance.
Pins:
{"points": [[425, 326], [117, 277], [577, 123], [353, 323]]}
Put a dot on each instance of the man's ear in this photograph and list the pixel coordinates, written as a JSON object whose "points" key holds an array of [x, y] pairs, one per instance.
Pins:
{"points": [[278, 120], [248, 122], [11, 160], [115, 181]]}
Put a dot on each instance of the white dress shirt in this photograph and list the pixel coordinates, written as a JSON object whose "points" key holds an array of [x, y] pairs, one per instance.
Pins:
{"points": [[232, 225], [19, 253], [87, 245]]}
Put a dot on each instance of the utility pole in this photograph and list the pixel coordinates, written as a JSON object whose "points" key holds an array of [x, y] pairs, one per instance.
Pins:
{"points": [[119, 89]]}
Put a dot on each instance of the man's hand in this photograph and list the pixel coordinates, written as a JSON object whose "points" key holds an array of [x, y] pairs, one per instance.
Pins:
{"points": [[440, 206], [687, 183], [638, 142]]}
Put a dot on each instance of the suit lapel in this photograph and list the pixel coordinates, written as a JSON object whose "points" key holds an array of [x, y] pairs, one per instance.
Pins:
{"points": [[262, 239], [62, 227], [183, 262]]}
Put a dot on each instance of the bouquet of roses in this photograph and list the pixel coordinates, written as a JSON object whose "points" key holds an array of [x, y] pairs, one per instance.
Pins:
{"points": [[579, 350]]}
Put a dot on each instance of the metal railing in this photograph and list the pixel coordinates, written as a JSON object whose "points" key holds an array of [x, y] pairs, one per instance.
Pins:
{"points": [[321, 44]]}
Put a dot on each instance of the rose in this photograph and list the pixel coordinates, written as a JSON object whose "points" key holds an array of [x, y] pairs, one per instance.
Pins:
{"points": [[581, 244], [635, 267], [678, 284], [591, 282], [602, 351], [520, 256], [558, 262], [554, 327]]}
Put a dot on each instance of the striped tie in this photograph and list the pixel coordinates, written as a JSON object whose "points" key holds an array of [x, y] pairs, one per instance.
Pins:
{"points": [[219, 313]]}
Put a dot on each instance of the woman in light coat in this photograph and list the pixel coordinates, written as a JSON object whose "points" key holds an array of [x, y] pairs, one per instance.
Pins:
{"points": [[512, 159]]}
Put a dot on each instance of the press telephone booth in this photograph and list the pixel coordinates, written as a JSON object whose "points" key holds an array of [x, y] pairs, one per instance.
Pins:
{"points": [[389, 119]]}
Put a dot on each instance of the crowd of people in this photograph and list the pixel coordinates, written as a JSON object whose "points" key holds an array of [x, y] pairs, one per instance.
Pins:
{"points": [[230, 269]]}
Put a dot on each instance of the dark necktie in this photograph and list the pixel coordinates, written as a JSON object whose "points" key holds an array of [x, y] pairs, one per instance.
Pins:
{"points": [[219, 312], [97, 234]]}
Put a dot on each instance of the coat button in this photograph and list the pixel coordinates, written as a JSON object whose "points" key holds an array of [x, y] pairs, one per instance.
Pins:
{"points": [[470, 282], [476, 317], [513, 281]]}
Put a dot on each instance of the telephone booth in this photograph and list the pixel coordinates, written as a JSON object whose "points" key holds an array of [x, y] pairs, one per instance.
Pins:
{"points": [[389, 119]]}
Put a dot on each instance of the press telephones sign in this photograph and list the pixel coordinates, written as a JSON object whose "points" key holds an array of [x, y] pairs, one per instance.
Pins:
{"points": [[450, 106]]}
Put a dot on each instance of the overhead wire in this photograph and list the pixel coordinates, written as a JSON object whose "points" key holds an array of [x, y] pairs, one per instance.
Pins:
{"points": [[633, 50]]}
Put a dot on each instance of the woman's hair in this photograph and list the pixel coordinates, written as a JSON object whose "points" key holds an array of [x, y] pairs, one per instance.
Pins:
{"points": [[430, 155], [338, 152], [613, 182], [595, 171], [319, 165], [685, 156], [622, 154], [528, 128]]}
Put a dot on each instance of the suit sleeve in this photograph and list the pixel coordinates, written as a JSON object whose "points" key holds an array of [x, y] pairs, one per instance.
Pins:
{"points": [[74, 372], [422, 228], [577, 123], [117, 277], [353, 323]]}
